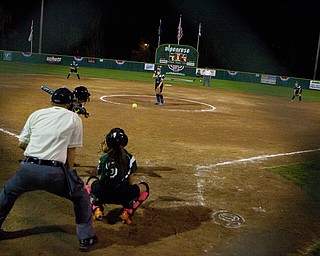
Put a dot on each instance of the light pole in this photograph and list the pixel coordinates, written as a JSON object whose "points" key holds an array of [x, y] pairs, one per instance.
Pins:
{"points": [[316, 62], [41, 25]]}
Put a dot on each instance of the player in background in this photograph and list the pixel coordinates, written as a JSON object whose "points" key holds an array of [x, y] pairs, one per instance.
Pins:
{"points": [[116, 184], [198, 75], [206, 77], [74, 66], [83, 96], [297, 91], [159, 78]]}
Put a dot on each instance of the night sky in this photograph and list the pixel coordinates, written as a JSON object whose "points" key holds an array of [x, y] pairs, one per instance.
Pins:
{"points": [[272, 37]]}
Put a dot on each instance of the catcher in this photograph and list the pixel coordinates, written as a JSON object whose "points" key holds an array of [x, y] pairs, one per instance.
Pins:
{"points": [[159, 78], [297, 91], [83, 96], [74, 66], [115, 185]]}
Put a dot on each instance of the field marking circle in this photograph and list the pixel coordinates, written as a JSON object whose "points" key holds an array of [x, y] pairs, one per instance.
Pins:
{"points": [[228, 219], [210, 107]]}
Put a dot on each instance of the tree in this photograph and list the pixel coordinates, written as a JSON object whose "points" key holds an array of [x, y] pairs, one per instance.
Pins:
{"points": [[94, 44], [5, 20], [144, 53]]}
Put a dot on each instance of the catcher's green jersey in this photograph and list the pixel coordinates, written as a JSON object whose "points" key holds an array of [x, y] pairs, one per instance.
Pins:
{"points": [[109, 170]]}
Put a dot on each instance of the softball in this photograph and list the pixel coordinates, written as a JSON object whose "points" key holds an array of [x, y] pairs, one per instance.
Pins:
{"points": [[134, 105]]}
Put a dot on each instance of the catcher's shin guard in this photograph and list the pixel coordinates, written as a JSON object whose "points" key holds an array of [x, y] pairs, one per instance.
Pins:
{"points": [[138, 201]]}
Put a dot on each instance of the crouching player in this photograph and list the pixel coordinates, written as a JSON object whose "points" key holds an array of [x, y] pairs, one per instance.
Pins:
{"points": [[115, 184]]}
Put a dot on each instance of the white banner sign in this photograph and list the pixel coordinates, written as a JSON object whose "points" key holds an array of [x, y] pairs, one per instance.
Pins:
{"points": [[148, 66], [314, 85], [268, 79]]}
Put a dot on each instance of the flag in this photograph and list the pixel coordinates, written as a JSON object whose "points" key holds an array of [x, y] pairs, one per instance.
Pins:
{"points": [[159, 32], [180, 31], [31, 32], [199, 34]]}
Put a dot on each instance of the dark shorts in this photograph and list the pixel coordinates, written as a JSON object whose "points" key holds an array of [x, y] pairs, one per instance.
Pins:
{"points": [[108, 195], [73, 70], [156, 85]]}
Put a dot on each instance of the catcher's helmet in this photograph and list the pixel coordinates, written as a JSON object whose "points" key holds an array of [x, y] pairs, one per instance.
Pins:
{"points": [[62, 96], [116, 137], [82, 94]]}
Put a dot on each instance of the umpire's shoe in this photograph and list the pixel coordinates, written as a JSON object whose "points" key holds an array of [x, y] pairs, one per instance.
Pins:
{"points": [[85, 244]]}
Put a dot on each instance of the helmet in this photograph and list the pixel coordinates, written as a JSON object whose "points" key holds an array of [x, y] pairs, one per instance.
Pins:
{"points": [[82, 94], [116, 137], [62, 96]]}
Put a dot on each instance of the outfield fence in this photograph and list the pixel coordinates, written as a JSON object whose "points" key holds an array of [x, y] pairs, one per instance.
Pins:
{"points": [[220, 74]]}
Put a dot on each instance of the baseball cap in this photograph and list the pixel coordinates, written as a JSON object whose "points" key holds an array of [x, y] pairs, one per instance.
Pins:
{"points": [[62, 96]]}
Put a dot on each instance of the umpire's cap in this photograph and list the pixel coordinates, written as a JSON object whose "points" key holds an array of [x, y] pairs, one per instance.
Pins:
{"points": [[62, 96]]}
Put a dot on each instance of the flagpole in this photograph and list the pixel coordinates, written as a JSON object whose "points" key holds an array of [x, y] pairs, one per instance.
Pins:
{"points": [[199, 34], [316, 61], [31, 42], [41, 25], [159, 33], [179, 31]]}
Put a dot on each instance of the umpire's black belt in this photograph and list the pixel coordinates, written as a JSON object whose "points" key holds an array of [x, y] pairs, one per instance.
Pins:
{"points": [[38, 161]]}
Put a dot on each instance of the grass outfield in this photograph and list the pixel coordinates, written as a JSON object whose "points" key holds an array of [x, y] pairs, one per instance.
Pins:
{"points": [[305, 175], [50, 69]]}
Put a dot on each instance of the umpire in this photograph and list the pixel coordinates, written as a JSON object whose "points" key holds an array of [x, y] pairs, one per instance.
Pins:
{"points": [[49, 140]]}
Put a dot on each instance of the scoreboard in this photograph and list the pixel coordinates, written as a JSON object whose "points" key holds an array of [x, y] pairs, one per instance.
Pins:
{"points": [[173, 54]]}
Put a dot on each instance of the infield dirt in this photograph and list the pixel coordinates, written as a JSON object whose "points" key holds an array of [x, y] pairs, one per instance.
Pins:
{"points": [[205, 155]]}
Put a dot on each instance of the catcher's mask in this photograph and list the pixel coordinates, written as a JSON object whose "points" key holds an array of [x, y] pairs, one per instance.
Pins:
{"points": [[63, 96], [82, 94], [116, 137]]}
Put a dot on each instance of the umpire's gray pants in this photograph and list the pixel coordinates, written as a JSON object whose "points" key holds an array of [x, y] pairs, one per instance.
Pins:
{"points": [[31, 177], [206, 79]]}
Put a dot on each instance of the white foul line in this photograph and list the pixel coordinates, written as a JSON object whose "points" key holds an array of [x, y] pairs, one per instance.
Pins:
{"points": [[256, 158], [200, 169]]}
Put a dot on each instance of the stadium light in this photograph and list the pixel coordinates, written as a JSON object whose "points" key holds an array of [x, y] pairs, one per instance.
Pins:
{"points": [[41, 24]]}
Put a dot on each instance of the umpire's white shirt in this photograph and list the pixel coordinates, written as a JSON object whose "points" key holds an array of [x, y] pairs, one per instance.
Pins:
{"points": [[50, 132]]}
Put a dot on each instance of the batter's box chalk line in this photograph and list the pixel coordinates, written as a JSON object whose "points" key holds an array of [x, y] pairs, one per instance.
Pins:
{"points": [[209, 108]]}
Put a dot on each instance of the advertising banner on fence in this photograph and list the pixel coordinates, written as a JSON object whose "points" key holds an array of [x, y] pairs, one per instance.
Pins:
{"points": [[315, 85], [268, 79], [148, 66], [7, 56], [53, 60]]}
